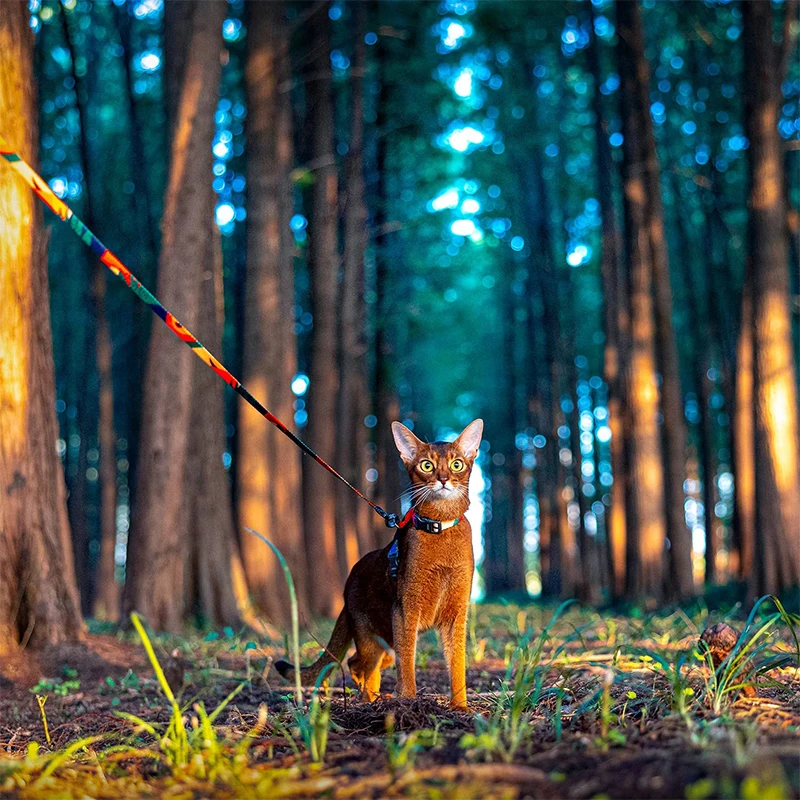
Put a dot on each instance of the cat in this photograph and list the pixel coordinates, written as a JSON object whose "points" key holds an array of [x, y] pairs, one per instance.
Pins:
{"points": [[433, 580]]}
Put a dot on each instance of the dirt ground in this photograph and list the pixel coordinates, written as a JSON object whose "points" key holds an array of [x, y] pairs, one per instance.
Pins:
{"points": [[750, 751]]}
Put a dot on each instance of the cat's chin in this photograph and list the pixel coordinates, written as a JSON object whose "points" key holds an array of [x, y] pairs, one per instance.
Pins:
{"points": [[443, 494]]}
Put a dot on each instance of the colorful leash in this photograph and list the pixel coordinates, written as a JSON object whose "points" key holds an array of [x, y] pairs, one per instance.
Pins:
{"points": [[65, 213]]}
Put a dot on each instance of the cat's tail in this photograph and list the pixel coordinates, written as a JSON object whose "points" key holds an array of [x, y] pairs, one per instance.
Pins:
{"points": [[335, 651]]}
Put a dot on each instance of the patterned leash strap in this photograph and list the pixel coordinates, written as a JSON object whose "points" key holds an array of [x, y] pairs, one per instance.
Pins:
{"points": [[65, 213]]}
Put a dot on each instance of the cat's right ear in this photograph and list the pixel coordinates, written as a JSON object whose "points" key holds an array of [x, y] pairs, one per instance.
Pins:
{"points": [[407, 444]]}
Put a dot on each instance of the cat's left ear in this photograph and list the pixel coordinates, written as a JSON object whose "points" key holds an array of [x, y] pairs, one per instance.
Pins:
{"points": [[469, 440]]}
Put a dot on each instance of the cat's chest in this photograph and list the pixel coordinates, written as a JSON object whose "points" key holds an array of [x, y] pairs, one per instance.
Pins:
{"points": [[432, 558]]}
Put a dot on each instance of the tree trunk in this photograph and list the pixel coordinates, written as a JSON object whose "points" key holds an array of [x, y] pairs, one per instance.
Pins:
{"points": [[673, 431], [777, 483], [616, 326], [319, 496], [39, 601], [354, 530], [158, 552], [743, 440], [701, 362], [269, 482], [208, 511], [504, 560], [546, 395], [387, 401], [646, 541], [107, 589]]}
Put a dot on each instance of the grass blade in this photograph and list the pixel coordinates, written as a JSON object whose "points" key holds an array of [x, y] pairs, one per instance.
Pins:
{"points": [[298, 687]]}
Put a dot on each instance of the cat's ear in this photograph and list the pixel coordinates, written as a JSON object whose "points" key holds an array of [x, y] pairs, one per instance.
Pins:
{"points": [[469, 440], [406, 442]]}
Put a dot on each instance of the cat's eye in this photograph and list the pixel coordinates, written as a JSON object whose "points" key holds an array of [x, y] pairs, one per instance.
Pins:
{"points": [[426, 466], [457, 465]]}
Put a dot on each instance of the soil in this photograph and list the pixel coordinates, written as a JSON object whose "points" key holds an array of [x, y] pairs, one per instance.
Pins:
{"points": [[655, 754]]}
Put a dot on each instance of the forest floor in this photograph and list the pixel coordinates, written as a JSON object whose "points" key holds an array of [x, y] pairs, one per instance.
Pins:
{"points": [[597, 706]]}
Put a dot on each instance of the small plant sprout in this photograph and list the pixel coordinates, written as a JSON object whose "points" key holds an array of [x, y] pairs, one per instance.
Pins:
{"points": [[298, 686], [401, 749], [314, 724], [41, 700], [750, 658]]}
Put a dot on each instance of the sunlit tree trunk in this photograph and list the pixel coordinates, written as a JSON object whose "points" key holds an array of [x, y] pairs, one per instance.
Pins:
{"points": [[674, 426], [213, 563], [354, 532], [616, 328], [39, 602], [158, 550], [777, 483], [743, 440], [646, 541], [269, 483], [319, 496]]}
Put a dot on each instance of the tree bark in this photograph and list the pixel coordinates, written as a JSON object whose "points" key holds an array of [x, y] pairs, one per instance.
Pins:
{"points": [[701, 362], [319, 496], [647, 529], [681, 584], [39, 601], [107, 589], [743, 440], [504, 560], [777, 483], [616, 327], [269, 472], [387, 401], [208, 511], [158, 551], [354, 531]]}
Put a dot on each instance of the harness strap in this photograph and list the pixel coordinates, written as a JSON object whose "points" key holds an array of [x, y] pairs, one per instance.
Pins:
{"points": [[411, 519], [43, 191]]}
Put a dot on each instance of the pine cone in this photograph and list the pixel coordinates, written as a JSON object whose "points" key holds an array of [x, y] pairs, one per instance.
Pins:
{"points": [[721, 639], [174, 669]]}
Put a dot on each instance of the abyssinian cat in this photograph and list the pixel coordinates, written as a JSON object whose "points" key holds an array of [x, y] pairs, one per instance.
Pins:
{"points": [[433, 577]]}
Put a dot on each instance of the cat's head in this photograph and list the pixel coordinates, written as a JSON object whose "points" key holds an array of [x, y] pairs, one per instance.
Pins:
{"points": [[439, 471]]}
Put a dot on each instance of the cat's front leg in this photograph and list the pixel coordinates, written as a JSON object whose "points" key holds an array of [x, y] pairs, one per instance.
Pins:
{"points": [[454, 639], [405, 622]]}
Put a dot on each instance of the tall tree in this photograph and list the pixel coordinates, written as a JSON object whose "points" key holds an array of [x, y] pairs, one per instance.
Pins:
{"points": [[616, 325], [354, 525], [107, 589], [777, 481], [631, 44], [647, 529], [744, 441], [39, 601], [269, 473], [387, 256], [504, 564], [319, 497], [158, 552], [214, 571]]}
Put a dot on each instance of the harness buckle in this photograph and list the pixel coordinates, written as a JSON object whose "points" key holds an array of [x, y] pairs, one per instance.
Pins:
{"points": [[394, 559]]}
